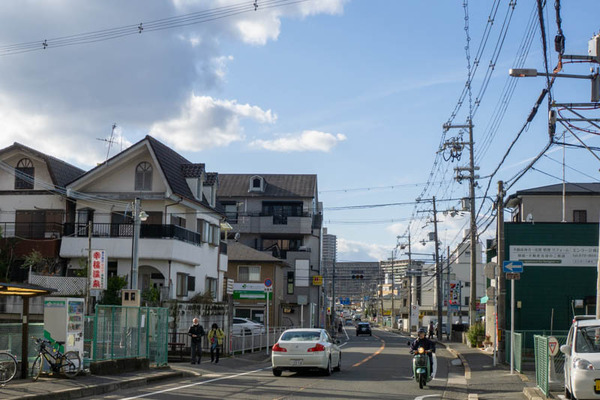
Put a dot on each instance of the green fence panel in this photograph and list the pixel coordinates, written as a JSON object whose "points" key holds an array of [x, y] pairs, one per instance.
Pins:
{"points": [[541, 363], [126, 332], [519, 351]]}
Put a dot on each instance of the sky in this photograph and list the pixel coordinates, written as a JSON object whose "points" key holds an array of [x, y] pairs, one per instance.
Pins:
{"points": [[355, 91]]}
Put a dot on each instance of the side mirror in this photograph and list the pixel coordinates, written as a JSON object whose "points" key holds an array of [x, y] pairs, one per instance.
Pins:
{"points": [[338, 341], [565, 349], [408, 343]]}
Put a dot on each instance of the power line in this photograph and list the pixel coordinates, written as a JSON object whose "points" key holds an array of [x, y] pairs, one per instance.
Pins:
{"points": [[144, 27]]}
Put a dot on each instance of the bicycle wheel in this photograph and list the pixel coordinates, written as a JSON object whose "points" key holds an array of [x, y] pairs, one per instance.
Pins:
{"points": [[71, 364], [8, 367], [36, 368]]}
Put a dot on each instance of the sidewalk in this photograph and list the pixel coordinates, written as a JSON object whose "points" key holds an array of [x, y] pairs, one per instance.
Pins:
{"points": [[54, 388], [475, 377]]}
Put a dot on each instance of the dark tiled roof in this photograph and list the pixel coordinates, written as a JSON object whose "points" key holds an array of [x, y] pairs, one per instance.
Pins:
{"points": [[570, 188], [60, 171], [240, 252], [171, 162], [211, 178], [192, 170], [237, 185]]}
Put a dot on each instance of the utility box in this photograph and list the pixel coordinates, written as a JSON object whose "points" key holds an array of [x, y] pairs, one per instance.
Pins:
{"points": [[594, 47], [130, 298], [64, 322]]}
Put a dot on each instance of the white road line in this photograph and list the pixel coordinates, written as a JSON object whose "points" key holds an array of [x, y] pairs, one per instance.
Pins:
{"points": [[195, 384], [428, 396]]}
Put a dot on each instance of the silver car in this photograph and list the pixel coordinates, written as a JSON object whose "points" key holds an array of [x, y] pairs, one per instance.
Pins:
{"points": [[305, 349]]}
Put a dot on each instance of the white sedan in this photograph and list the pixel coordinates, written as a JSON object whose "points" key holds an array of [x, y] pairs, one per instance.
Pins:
{"points": [[303, 349]]}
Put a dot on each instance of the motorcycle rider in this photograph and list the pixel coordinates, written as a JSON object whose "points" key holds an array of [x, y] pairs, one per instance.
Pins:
{"points": [[426, 344]]}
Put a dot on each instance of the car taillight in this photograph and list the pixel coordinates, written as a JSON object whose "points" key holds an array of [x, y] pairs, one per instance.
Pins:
{"points": [[318, 347], [277, 347]]}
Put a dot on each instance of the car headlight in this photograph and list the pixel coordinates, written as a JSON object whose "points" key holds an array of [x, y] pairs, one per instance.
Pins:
{"points": [[580, 363]]}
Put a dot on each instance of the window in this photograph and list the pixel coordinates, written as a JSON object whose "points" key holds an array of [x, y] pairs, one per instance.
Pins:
{"points": [[290, 282], [25, 174], [211, 287], [179, 221], [248, 273], [466, 300], [256, 184], [580, 216], [143, 176], [182, 284], [231, 212], [216, 235], [205, 231], [282, 210], [191, 283], [38, 224], [112, 269]]}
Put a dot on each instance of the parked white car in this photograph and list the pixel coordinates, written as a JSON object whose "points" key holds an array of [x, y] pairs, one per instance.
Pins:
{"points": [[246, 327], [582, 359], [303, 349]]}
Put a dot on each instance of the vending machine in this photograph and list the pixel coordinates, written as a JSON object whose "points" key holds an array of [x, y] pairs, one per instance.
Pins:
{"points": [[63, 322]]}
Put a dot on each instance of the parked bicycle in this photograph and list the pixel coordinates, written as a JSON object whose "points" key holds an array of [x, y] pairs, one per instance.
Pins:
{"points": [[68, 364], [8, 367]]}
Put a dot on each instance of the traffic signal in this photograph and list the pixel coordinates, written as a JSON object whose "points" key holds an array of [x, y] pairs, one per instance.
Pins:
{"points": [[358, 276]]}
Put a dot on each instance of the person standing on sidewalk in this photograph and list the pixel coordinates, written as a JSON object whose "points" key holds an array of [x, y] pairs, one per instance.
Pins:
{"points": [[431, 329], [196, 331], [215, 338]]}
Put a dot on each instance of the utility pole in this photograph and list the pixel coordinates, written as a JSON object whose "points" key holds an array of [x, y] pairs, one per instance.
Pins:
{"points": [[501, 284], [410, 279], [333, 295], [393, 283], [89, 269], [473, 230], [448, 316], [438, 274]]}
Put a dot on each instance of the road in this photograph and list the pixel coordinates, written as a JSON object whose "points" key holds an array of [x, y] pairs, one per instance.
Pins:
{"points": [[376, 367]]}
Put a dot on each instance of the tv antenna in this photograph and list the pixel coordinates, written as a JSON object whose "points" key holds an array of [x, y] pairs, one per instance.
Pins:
{"points": [[110, 141]]}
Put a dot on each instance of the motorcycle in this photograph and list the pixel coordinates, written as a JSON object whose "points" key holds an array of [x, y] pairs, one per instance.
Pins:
{"points": [[422, 371]]}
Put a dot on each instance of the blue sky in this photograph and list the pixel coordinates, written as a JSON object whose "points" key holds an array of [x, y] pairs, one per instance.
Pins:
{"points": [[353, 91]]}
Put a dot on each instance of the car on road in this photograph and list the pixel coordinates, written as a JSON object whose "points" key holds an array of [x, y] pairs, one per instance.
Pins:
{"points": [[306, 349], [245, 327], [582, 359], [363, 328]]}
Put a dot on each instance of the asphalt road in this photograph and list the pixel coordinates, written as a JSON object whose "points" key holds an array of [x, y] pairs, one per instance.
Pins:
{"points": [[377, 367]]}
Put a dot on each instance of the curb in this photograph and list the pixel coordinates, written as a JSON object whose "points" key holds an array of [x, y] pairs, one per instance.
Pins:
{"points": [[533, 393], [98, 389]]}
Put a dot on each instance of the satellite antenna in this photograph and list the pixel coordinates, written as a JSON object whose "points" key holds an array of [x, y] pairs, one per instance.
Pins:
{"points": [[111, 140]]}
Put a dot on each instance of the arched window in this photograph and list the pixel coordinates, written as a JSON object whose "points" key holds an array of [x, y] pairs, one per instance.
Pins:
{"points": [[143, 176], [257, 184], [24, 174]]}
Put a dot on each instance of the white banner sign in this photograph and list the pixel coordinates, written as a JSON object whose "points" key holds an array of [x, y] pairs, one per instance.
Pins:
{"points": [[98, 270], [555, 256]]}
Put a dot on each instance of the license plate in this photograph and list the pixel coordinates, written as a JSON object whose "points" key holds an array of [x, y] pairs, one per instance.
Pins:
{"points": [[296, 362], [597, 388]]}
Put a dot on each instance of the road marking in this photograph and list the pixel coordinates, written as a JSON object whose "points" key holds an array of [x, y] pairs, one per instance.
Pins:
{"points": [[196, 384], [372, 355], [428, 396]]}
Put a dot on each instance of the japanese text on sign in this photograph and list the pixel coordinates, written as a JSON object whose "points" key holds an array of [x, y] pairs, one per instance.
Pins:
{"points": [[98, 270]]}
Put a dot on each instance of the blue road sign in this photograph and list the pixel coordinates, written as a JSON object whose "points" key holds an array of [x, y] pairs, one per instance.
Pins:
{"points": [[268, 283], [513, 266]]}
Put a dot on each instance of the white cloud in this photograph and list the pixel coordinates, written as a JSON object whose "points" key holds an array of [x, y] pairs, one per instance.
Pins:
{"points": [[205, 122], [360, 251], [307, 141]]}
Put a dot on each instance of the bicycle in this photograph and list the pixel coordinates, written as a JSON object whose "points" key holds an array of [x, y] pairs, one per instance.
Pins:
{"points": [[68, 364], [8, 367]]}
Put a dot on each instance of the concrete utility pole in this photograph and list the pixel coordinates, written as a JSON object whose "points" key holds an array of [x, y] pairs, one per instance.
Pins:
{"points": [[135, 246], [438, 274], [448, 312], [501, 284], [473, 229], [393, 283]]}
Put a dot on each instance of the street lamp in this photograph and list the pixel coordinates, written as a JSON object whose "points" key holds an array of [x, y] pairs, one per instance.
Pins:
{"points": [[530, 72], [138, 217]]}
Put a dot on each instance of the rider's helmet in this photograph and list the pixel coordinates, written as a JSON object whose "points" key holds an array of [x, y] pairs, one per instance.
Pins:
{"points": [[423, 331]]}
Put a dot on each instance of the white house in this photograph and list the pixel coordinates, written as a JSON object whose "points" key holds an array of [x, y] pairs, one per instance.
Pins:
{"points": [[180, 250]]}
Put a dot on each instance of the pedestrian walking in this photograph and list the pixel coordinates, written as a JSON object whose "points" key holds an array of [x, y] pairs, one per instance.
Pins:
{"points": [[215, 338], [431, 329], [196, 332]]}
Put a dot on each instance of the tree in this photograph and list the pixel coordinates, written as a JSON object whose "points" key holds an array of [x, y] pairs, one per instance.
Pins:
{"points": [[111, 296], [7, 255]]}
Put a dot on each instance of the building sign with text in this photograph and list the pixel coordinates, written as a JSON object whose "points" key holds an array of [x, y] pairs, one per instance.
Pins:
{"points": [[555, 256], [98, 270], [250, 291]]}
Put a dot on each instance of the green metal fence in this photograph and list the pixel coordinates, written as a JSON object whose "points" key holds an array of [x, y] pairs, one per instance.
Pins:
{"points": [[125, 332], [549, 371], [527, 344], [11, 338]]}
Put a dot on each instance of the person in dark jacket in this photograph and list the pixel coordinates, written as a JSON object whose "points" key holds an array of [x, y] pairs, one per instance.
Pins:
{"points": [[426, 344], [196, 332]]}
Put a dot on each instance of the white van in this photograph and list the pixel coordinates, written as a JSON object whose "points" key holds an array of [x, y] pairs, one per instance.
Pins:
{"points": [[582, 359]]}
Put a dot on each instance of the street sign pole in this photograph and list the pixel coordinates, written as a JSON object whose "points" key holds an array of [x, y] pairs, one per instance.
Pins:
{"points": [[512, 325], [268, 289]]}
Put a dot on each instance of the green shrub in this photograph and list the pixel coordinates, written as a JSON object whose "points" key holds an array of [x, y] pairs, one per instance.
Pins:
{"points": [[475, 333]]}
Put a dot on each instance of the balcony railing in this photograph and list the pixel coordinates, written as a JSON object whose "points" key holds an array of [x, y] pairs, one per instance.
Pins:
{"points": [[31, 230], [147, 231]]}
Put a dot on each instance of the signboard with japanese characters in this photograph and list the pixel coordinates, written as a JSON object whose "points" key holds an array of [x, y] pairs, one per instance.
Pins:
{"points": [[98, 270], [555, 256]]}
